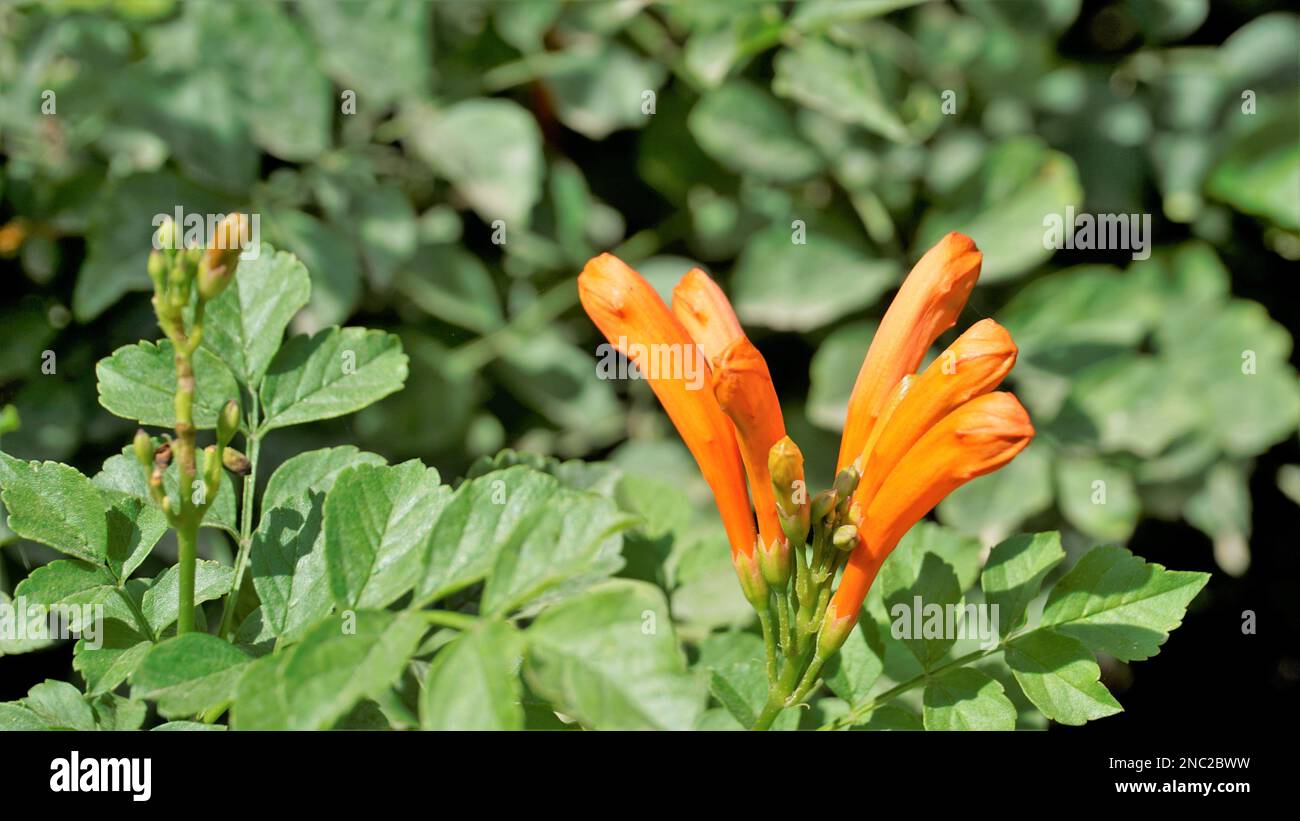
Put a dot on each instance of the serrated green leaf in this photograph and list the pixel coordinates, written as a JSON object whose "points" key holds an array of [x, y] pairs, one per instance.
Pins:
{"points": [[1116, 603], [1014, 574], [853, 671], [162, 600], [55, 505], [317, 681], [66, 581], [189, 674], [313, 471], [476, 524], [16, 717], [118, 713], [608, 657], [134, 527], [60, 706], [474, 684], [917, 576], [331, 373], [377, 519], [1061, 677], [289, 566], [966, 699], [245, 324], [138, 382], [570, 543]]}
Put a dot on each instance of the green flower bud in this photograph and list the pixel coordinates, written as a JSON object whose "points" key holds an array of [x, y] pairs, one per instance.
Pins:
{"points": [[228, 422], [158, 270], [785, 464], [823, 503], [774, 562], [752, 583], [236, 462], [845, 538], [847, 481], [217, 267], [143, 448]]}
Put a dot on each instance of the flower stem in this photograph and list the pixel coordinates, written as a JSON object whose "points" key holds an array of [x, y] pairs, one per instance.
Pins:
{"points": [[252, 443], [187, 536]]}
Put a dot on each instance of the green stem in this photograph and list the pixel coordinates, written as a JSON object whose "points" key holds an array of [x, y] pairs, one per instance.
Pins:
{"points": [[783, 619], [448, 618], [860, 712], [252, 442], [769, 641], [779, 693], [187, 536]]}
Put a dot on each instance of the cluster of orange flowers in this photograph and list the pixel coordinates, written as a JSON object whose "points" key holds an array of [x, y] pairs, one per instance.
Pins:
{"points": [[913, 438]]}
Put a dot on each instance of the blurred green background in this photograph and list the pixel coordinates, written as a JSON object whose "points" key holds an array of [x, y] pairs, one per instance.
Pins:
{"points": [[444, 170]]}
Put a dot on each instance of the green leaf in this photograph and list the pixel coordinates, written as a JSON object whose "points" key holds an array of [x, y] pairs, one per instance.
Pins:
{"points": [[1061, 677], [854, 670], [377, 519], [55, 505], [911, 576], [787, 286], [1014, 573], [1098, 497], [245, 324], [122, 474], [609, 659], [162, 599], [476, 524], [379, 49], [338, 663], [138, 382], [737, 677], [837, 83], [289, 108], [66, 582], [312, 471], [189, 674], [134, 526], [118, 713], [473, 683], [289, 567], [833, 370], [187, 726], [121, 649], [744, 129], [571, 542], [601, 89], [331, 373], [1116, 603], [60, 706], [329, 255], [490, 150], [966, 699], [1003, 207], [16, 717]]}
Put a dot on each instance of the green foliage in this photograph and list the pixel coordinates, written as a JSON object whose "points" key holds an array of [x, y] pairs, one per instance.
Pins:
{"points": [[363, 581]]}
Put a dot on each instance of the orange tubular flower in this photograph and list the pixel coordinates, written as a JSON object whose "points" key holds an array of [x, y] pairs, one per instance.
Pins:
{"points": [[977, 438], [705, 312], [741, 383], [927, 304], [634, 319], [973, 365], [913, 439], [744, 389]]}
